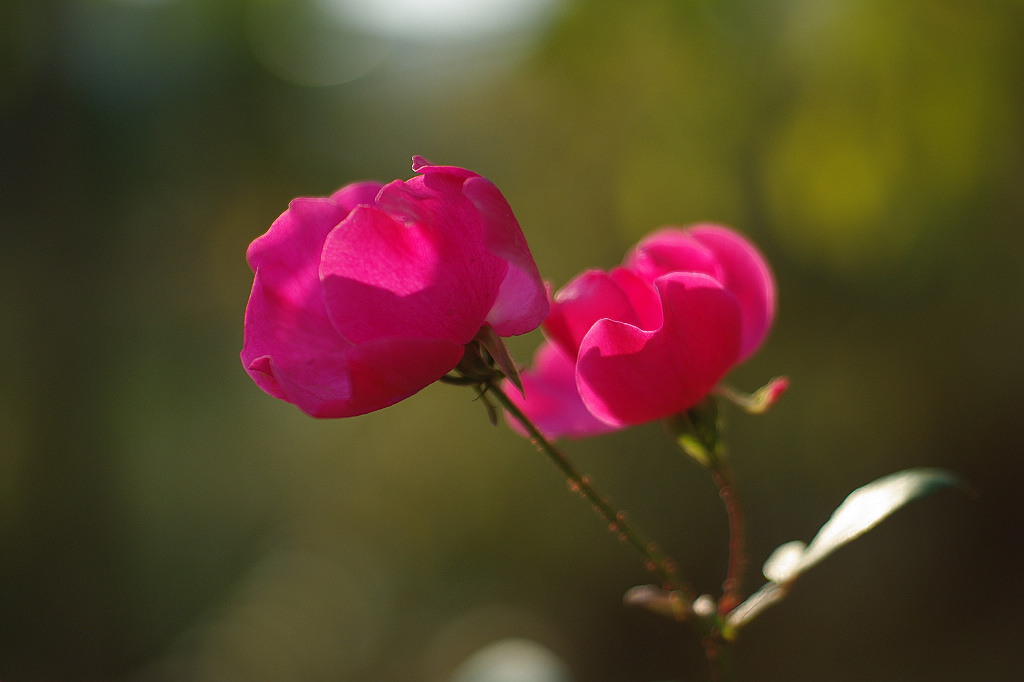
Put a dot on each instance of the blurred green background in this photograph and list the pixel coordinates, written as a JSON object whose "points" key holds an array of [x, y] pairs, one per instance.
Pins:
{"points": [[163, 520]]}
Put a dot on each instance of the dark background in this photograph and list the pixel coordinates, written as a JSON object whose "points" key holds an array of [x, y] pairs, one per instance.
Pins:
{"points": [[161, 519]]}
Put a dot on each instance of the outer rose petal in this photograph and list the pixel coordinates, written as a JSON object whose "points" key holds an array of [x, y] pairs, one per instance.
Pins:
{"points": [[522, 302], [357, 194], [746, 274], [586, 299], [354, 380], [671, 249], [279, 326], [295, 355], [421, 165], [552, 401], [629, 376], [285, 316], [429, 278], [289, 252]]}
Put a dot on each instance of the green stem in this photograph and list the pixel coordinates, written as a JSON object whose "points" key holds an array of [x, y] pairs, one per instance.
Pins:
{"points": [[617, 520]]}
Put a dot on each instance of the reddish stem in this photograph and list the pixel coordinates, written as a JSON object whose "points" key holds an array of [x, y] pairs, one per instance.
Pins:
{"points": [[732, 596]]}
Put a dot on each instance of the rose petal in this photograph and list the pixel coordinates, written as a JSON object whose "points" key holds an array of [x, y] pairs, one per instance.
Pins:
{"points": [[429, 278], [278, 325], [285, 315], [289, 252], [356, 380], [670, 249], [421, 165], [627, 375], [522, 302], [586, 299], [301, 359], [552, 401], [746, 274], [357, 194], [643, 297]]}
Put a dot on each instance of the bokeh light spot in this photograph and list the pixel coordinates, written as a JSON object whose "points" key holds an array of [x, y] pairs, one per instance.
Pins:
{"points": [[513, 660], [432, 20]]}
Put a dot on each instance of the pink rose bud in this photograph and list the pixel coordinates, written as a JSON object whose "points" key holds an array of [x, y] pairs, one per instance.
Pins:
{"points": [[651, 338], [365, 297]]}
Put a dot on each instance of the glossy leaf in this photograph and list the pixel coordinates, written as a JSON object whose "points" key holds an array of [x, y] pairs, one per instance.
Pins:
{"points": [[785, 562], [861, 511], [870, 504]]}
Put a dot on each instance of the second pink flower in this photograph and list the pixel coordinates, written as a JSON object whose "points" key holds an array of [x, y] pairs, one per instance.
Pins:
{"points": [[651, 338]]}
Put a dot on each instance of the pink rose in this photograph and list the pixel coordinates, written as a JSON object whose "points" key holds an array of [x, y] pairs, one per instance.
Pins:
{"points": [[365, 297], [651, 338]]}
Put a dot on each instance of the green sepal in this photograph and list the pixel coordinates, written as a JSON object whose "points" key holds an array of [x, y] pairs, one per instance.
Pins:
{"points": [[498, 351], [758, 402], [697, 432]]}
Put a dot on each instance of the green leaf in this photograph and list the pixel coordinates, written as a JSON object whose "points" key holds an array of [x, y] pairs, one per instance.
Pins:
{"points": [[869, 505], [784, 562], [861, 511], [769, 594]]}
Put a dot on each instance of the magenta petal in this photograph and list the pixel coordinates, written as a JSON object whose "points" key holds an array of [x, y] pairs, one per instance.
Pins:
{"points": [[522, 302], [628, 376], [285, 315], [385, 372], [363, 298], [277, 325], [357, 194], [643, 298], [552, 401], [421, 165], [591, 296], [289, 252], [425, 279], [745, 273], [295, 354], [670, 249], [354, 380]]}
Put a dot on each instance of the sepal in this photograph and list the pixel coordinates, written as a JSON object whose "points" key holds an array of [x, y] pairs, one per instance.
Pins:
{"points": [[758, 402], [697, 432]]}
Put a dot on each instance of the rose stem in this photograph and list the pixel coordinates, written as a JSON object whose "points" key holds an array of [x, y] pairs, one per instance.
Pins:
{"points": [[722, 474], [654, 559]]}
